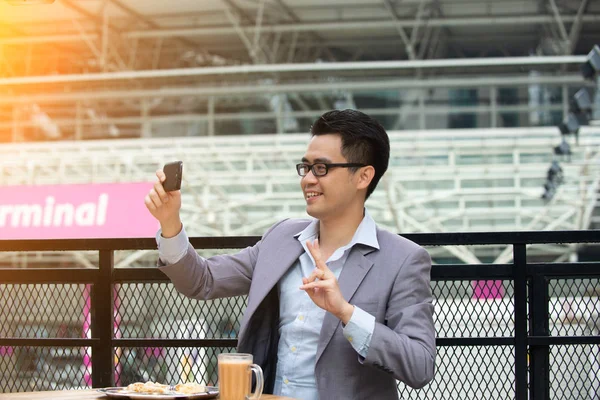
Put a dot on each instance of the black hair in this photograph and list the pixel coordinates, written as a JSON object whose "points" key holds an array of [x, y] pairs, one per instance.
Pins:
{"points": [[364, 140]]}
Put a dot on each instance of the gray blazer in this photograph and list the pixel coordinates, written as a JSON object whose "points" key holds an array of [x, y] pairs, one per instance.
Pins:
{"points": [[392, 283]]}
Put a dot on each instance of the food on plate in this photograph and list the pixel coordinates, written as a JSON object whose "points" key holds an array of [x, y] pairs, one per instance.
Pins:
{"points": [[158, 388], [190, 388], [148, 388]]}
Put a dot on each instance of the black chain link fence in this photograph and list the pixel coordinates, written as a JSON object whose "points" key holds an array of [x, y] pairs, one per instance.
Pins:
{"points": [[474, 318]]}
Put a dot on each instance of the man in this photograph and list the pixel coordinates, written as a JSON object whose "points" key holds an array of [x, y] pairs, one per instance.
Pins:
{"points": [[337, 308]]}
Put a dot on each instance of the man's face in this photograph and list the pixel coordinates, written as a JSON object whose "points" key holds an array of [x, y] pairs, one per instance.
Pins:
{"points": [[333, 194]]}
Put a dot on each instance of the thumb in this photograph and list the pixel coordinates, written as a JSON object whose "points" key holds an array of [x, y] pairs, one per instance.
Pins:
{"points": [[175, 194]]}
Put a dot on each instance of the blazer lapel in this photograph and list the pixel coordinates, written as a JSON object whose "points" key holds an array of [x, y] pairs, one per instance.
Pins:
{"points": [[275, 264], [355, 269], [279, 262]]}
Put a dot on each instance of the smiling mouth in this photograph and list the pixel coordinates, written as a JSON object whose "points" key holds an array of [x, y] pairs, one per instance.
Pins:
{"points": [[312, 195]]}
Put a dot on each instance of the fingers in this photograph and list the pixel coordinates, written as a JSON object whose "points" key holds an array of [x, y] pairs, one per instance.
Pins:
{"points": [[155, 199], [157, 195], [160, 192], [315, 251], [320, 284], [318, 273], [160, 174], [149, 203]]}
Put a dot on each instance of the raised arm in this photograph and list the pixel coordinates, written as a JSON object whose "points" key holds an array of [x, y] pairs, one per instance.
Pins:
{"points": [[192, 275]]}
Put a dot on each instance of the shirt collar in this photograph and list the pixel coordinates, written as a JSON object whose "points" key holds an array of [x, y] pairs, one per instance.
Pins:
{"points": [[366, 233]]}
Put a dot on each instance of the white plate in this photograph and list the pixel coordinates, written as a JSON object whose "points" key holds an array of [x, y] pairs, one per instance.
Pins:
{"points": [[123, 393]]}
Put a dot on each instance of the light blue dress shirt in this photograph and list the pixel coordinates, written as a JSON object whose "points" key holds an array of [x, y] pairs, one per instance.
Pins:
{"points": [[300, 319]]}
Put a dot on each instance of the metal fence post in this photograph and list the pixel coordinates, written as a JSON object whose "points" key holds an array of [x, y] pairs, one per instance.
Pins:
{"points": [[539, 326], [520, 277], [102, 323]]}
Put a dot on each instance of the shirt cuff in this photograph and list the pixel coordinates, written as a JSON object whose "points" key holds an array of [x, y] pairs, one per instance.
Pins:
{"points": [[359, 330], [173, 249]]}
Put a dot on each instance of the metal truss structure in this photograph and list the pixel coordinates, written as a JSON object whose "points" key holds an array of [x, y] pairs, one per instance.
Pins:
{"points": [[110, 35], [399, 103], [438, 181], [137, 68], [86, 80]]}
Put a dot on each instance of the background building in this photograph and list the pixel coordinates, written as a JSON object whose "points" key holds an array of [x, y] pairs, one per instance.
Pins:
{"points": [[472, 93]]}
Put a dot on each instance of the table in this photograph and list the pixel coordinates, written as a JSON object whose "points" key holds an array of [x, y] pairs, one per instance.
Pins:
{"points": [[90, 394]]}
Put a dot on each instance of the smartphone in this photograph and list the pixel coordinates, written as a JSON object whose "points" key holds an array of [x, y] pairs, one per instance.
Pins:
{"points": [[173, 171]]}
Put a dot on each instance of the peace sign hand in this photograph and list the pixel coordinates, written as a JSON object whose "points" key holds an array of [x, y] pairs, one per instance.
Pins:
{"points": [[323, 289]]}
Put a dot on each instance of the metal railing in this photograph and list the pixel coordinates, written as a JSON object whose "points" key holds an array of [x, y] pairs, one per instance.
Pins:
{"points": [[522, 330]]}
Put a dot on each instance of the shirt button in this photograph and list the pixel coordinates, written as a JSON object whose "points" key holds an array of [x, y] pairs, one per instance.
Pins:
{"points": [[286, 381], [301, 317], [293, 348], [350, 338]]}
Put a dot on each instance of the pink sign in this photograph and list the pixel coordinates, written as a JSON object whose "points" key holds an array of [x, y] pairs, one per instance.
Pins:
{"points": [[112, 210], [488, 289], [6, 351]]}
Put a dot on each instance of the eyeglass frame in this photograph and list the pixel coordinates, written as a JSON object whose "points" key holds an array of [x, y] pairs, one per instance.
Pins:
{"points": [[327, 166]]}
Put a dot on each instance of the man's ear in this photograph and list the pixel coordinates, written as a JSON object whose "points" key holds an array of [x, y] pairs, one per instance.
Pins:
{"points": [[365, 176]]}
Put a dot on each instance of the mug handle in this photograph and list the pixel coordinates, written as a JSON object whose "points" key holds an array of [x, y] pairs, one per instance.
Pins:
{"points": [[260, 382]]}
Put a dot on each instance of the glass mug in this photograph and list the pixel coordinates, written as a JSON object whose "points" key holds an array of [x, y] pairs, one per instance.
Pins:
{"points": [[235, 377]]}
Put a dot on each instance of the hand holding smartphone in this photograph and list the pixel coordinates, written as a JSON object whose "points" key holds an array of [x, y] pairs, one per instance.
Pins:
{"points": [[173, 172]]}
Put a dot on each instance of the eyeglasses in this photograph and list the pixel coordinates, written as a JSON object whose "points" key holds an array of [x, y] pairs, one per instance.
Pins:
{"points": [[321, 169]]}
